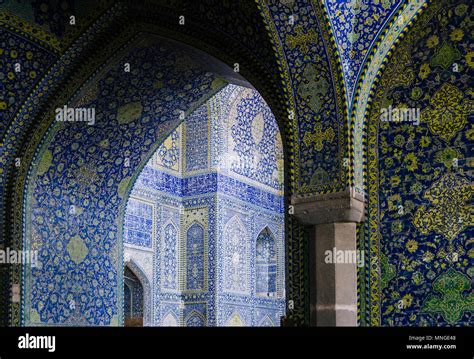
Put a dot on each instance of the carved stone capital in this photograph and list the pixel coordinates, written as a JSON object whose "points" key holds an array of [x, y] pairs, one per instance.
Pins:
{"points": [[344, 206]]}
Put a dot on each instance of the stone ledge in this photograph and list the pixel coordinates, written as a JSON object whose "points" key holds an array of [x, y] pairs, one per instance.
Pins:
{"points": [[344, 206]]}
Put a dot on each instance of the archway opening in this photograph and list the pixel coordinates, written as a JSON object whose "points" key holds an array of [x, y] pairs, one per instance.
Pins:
{"points": [[205, 218], [83, 173]]}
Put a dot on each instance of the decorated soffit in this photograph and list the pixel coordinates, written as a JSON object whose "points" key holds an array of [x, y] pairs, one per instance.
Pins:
{"points": [[308, 65]]}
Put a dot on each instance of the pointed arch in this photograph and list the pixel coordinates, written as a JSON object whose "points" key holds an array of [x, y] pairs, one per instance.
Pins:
{"points": [[111, 218], [195, 319], [266, 264], [170, 320], [235, 320], [266, 322], [136, 269]]}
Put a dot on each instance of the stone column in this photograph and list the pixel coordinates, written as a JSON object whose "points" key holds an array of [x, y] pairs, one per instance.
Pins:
{"points": [[332, 220]]}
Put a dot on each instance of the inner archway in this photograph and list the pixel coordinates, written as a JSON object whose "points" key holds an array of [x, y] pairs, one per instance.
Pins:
{"points": [[133, 299], [83, 173], [205, 217]]}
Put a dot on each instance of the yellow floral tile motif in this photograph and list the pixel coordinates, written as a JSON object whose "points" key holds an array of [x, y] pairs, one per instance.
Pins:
{"points": [[45, 162], [130, 112], [301, 39], [447, 114], [445, 56], [235, 321], [318, 136], [452, 303], [10, 20], [313, 88], [123, 185], [398, 75], [412, 246], [77, 249], [34, 317], [449, 213], [86, 175]]}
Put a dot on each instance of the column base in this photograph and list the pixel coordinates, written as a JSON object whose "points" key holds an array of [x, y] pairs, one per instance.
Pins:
{"points": [[333, 255]]}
